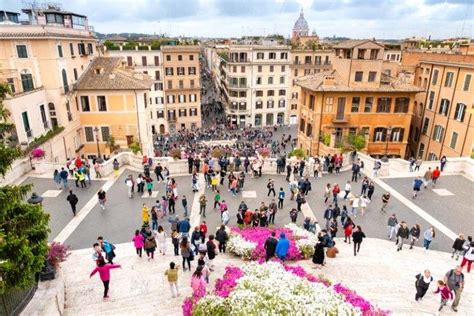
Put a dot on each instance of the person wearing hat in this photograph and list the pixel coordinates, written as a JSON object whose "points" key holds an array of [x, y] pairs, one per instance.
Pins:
{"points": [[35, 199], [72, 199], [282, 247]]}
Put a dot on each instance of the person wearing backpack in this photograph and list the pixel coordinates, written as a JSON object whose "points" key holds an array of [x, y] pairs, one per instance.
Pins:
{"points": [[422, 284], [72, 199], [468, 258], [108, 248]]}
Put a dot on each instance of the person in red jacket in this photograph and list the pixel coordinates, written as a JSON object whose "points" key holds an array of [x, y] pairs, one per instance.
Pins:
{"points": [[104, 273], [435, 176], [203, 230]]}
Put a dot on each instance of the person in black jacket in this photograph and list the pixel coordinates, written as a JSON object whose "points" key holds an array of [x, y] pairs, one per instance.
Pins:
{"points": [[357, 237], [221, 237], [415, 234], [422, 284], [72, 199], [458, 247], [211, 251], [270, 246], [403, 233]]}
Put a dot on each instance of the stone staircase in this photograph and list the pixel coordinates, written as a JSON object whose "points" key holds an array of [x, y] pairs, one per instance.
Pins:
{"points": [[379, 273]]}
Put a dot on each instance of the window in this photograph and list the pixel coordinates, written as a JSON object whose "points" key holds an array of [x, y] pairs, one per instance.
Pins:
{"points": [[270, 80], [71, 49], [311, 102], [272, 56], [454, 140], [180, 71], [282, 92], [296, 73], [270, 104], [170, 84], [180, 57], [438, 133], [283, 55], [192, 97], [431, 99], [192, 70], [372, 76], [157, 60], [75, 73], [449, 79], [401, 105], [302, 125], [460, 112], [317, 60], [383, 105], [369, 101], [11, 84], [129, 61], [270, 93], [170, 99], [380, 134], [355, 104], [283, 68], [467, 82], [444, 107], [259, 105], [272, 68], [242, 69], [144, 61], [191, 57], [182, 112], [81, 48], [329, 102], [309, 130], [259, 69], [426, 124], [258, 119], [307, 60], [181, 98], [281, 103], [101, 103], [358, 76], [160, 114], [90, 48], [168, 57], [27, 81], [85, 106], [169, 71], [432, 157], [60, 51], [105, 132], [243, 106], [157, 75], [26, 124], [282, 80], [181, 84], [89, 132], [294, 107], [191, 83], [54, 18], [397, 134], [260, 55], [44, 120], [434, 80], [421, 150], [21, 51], [193, 112]]}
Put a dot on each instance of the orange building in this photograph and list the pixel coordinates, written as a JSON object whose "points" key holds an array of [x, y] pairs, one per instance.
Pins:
{"points": [[355, 98]]}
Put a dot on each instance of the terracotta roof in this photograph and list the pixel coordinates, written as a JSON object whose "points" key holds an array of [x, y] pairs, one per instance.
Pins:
{"points": [[354, 43], [108, 73], [335, 82]]}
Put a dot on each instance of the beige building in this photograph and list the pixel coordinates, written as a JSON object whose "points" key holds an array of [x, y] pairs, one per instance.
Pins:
{"points": [[443, 125], [355, 98], [113, 101], [148, 61], [182, 87], [40, 59]]}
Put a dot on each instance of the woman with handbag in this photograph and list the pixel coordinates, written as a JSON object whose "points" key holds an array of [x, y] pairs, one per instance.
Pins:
{"points": [[186, 253], [422, 284], [150, 246]]}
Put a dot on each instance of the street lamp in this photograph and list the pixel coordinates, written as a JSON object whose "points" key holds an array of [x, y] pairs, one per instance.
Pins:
{"points": [[35, 199], [96, 130], [387, 138]]}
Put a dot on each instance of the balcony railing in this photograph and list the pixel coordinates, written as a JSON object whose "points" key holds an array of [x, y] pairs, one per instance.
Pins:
{"points": [[340, 118]]}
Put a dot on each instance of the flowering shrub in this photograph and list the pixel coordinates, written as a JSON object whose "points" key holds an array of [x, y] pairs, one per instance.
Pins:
{"points": [[57, 253], [249, 242], [358, 301], [225, 285], [305, 241], [37, 153]]}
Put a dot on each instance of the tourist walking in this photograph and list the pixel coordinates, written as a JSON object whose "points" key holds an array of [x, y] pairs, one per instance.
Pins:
{"points": [[271, 187], [138, 242], [73, 200], [327, 193], [184, 202], [348, 227], [198, 283], [417, 183], [222, 237], [202, 205], [116, 166], [57, 179], [64, 174], [370, 190], [281, 198], [427, 177], [101, 195], [270, 246], [443, 162], [211, 251], [458, 246], [385, 199], [108, 248], [150, 245], [357, 237], [468, 258], [402, 234], [161, 238], [422, 284], [454, 279], [414, 235], [172, 276], [347, 189], [445, 293], [392, 226], [104, 274], [435, 176], [428, 236]]}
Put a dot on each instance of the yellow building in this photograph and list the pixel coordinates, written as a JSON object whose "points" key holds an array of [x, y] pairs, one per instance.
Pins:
{"points": [[41, 59], [112, 101], [357, 97]]}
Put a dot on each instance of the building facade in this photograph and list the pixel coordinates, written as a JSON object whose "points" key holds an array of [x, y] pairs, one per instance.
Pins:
{"points": [[40, 59], [149, 62], [355, 98], [113, 102], [182, 87]]}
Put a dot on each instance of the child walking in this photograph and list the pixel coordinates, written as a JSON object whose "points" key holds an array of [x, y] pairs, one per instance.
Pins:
{"points": [[172, 274], [138, 242], [104, 273], [446, 294]]}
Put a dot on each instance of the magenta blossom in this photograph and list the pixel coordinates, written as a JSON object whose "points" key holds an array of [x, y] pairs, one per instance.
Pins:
{"points": [[356, 300], [226, 285], [187, 307]]}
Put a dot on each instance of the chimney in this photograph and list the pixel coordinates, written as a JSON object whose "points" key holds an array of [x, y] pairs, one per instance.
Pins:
{"points": [[329, 81]]}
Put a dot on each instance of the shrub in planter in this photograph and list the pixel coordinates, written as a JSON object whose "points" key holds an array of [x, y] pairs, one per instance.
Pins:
{"points": [[57, 253]]}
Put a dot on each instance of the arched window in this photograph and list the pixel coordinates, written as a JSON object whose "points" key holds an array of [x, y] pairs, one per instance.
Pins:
{"points": [[65, 82]]}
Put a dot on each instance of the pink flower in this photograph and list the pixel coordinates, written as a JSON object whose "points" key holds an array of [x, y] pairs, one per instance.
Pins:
{"points": [[226, 285], [187, 307]]}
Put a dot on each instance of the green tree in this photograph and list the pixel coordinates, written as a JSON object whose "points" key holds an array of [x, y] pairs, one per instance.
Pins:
{"points": [[298, 153], [23, 226], [356, 141], [135, 147], [112, 144]]}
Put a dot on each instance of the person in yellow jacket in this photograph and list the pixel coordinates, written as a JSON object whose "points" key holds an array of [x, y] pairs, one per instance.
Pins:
{"points": [[82, 179], [145, 214]]}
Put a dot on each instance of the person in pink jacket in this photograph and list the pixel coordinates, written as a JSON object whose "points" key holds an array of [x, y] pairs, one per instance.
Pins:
{"points": [[104, 273], [198, 283], [138, 242]]}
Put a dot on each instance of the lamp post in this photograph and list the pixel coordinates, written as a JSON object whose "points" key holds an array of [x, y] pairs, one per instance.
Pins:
{"points": [[387, 138], [96, 130], [311, 145]]}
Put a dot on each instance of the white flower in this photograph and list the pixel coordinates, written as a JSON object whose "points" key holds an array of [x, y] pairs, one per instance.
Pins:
{"points": [[240, 246]]}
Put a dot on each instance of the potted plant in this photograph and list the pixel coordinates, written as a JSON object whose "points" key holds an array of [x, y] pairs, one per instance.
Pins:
{"points": [[57, 253]]}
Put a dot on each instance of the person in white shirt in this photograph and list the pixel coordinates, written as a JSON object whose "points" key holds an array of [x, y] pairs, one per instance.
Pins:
{"points": [[347, 189]]}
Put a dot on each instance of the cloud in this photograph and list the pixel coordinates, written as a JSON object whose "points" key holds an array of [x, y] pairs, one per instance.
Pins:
{"points": [[255, 8]]}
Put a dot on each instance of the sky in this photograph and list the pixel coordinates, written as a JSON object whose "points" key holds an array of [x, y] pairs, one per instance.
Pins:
{"points": [[383, 19]]}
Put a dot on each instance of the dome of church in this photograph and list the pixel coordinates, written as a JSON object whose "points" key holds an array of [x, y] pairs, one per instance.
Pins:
{"points": [[301, 24]]}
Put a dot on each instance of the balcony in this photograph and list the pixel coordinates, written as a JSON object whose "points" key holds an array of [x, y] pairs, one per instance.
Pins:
{"points": [[341, 118], [239, 60]]}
